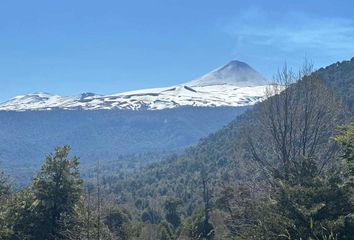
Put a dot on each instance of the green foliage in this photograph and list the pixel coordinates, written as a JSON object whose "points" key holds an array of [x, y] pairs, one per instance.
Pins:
{"points": [[309, 205], [53, 207], [166, 231], [18, 215], [340, 77], [253, 202], [241, 208], [49, 208], [141, 204], [103, 135], [4, 186], [200, 228], [346, 139], [118, 222], [57, 192], [151, 216], [172, 212], [4, 195]]}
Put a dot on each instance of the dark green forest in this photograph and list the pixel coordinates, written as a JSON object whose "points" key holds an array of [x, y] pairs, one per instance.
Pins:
{"points": [[25, 137], [282, 170]]}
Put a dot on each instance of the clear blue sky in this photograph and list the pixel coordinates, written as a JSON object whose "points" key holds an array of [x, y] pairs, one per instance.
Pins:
{"points": [[108, 46]]}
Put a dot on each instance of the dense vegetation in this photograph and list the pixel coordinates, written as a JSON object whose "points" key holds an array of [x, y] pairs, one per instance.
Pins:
{"points": [[106, 135], [283, 170]]}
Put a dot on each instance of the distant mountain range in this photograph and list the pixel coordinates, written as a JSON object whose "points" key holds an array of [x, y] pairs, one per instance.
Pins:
{"points": [[151, 120], [233, 85]]}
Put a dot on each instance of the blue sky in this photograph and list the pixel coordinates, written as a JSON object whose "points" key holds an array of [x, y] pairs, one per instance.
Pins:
{"points": [[108, 46]]}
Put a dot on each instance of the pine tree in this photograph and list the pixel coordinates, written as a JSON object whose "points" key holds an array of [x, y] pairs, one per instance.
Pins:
{"points": [[19, 216], [57, 192]]}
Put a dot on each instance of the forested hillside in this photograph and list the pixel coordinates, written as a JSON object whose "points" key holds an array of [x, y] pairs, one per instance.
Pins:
{"points": [[103, 127], [221, 150], [340, 77], [226, 156], [106, 135], [282, 170]]}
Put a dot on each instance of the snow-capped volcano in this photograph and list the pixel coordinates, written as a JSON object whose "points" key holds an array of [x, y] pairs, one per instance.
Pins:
{"points": [[235, 84], [234, 73]]}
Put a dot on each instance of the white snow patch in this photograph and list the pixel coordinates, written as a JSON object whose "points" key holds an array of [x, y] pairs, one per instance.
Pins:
{"points": [[236, 84]]}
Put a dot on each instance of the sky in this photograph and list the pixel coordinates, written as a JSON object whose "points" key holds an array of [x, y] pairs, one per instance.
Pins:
{"points": [[72, 46]]}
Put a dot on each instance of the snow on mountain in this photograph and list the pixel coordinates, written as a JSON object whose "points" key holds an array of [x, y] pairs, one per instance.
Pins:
{"points": [[234, 73], [235, 84]]}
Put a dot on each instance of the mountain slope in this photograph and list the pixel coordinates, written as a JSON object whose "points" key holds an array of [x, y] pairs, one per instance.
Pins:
{"points": [[233, 85], [122, 124], [221, 153], [234, 73], [25, 137]]}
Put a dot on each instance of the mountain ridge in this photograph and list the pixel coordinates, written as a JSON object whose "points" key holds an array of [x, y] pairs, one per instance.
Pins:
{"points": [[232, 85]]}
